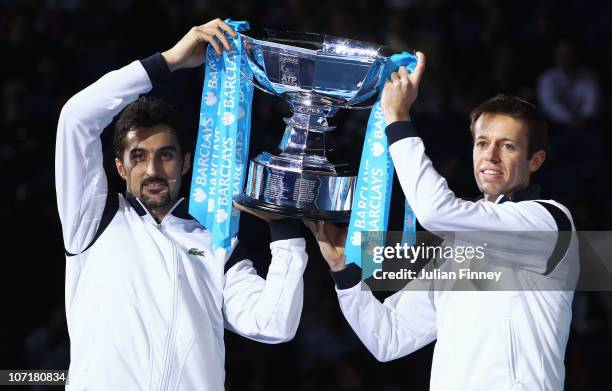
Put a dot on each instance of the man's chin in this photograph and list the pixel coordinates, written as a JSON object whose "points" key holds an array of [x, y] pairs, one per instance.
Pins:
{"points": [[155, 201], [490, 191]]}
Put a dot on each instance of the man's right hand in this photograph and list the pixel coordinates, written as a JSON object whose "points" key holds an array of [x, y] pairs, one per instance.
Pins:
{"points": [[190, 50], [331, 241]]}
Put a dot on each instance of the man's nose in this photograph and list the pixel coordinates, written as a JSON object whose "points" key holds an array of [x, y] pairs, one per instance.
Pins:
{"points": [[492, 153], [153, 167]]}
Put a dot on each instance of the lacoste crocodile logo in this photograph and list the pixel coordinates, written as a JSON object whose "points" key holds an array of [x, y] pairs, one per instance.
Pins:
{"points": [[195, 251]]}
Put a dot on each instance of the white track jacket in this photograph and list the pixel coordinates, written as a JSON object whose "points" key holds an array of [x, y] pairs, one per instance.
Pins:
{"points": [[486, 340], [147, 303]]}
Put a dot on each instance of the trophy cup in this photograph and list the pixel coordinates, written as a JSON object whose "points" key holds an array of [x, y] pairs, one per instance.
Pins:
{"points": [[317, 75]]}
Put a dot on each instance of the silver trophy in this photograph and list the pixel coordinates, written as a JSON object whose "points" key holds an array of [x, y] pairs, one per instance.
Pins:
{"points": [[317, 75]]}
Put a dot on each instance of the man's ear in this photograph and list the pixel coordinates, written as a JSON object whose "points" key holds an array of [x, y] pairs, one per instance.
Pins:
{"points": [[120, 168], [536, 160], [186, 163]]}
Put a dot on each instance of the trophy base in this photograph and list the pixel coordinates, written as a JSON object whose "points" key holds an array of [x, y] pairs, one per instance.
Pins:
{"points": [[286, 186], [303, 214]]}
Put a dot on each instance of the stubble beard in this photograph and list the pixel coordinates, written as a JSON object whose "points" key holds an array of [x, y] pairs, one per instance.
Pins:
{"points": [[159, 201]]}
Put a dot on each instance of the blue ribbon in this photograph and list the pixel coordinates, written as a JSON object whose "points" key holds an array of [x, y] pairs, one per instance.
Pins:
{"points": [[221, 155], [372, 200]]}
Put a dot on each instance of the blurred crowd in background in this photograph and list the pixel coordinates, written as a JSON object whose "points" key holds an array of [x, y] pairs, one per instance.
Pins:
{"points": [[555, 54]]}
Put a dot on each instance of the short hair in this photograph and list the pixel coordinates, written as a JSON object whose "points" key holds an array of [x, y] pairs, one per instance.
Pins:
{"points": [[146, 112], [519, 109]]}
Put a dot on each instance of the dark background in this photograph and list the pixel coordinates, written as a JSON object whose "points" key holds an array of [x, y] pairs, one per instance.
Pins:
{"points": [[476, 49]]}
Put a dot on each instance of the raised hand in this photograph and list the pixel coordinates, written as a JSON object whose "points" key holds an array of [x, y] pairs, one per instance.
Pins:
{"points": [[190, 50], [401, 91]]}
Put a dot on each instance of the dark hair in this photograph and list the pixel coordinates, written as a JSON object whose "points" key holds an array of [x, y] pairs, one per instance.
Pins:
{"points": [[144, 113], [519, 109]]}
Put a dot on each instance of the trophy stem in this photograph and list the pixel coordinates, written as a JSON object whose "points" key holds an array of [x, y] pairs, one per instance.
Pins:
{"points": [[306, 135]]}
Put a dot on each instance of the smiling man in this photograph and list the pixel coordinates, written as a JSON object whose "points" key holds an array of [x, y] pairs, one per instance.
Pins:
{"points": [[509, 145], [486, 339], [147, 295]]}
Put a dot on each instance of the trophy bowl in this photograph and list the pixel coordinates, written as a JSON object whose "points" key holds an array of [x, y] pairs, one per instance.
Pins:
{"points": [[317, 75]]}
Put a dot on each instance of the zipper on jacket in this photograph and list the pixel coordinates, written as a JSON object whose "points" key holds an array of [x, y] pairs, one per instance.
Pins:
{"points": [[170, 342], [512, 352]]}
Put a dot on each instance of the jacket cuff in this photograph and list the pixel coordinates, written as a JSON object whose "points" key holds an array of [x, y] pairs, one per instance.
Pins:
{"points": [[285, 228], [156, 68], [347, 277], [399, 130]]}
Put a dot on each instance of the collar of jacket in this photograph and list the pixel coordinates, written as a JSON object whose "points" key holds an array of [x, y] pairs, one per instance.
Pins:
{"points": [[180, 209], [531, 192]]}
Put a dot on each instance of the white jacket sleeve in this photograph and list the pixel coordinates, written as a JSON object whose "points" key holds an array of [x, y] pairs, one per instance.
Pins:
{"points": [[268, 310], [404, 323], [80, 181]]}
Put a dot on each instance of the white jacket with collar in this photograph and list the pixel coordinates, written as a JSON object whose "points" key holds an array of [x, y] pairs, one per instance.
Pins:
{"points": [[147, 303], [485, 340]]}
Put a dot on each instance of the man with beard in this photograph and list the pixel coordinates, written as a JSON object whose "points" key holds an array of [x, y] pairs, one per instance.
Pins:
{"points": [[147, 295]]}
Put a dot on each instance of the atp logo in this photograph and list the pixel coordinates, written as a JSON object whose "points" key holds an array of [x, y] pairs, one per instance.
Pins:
{"points": [[228, 118], [210, 98], [221, 215], [377, 149], [356, 238], [199, 195]]}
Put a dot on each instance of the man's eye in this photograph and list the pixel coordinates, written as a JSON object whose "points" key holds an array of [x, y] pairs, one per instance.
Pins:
{"points": [[481, 144], [166, 155], [509, 147], [139, 156]]}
